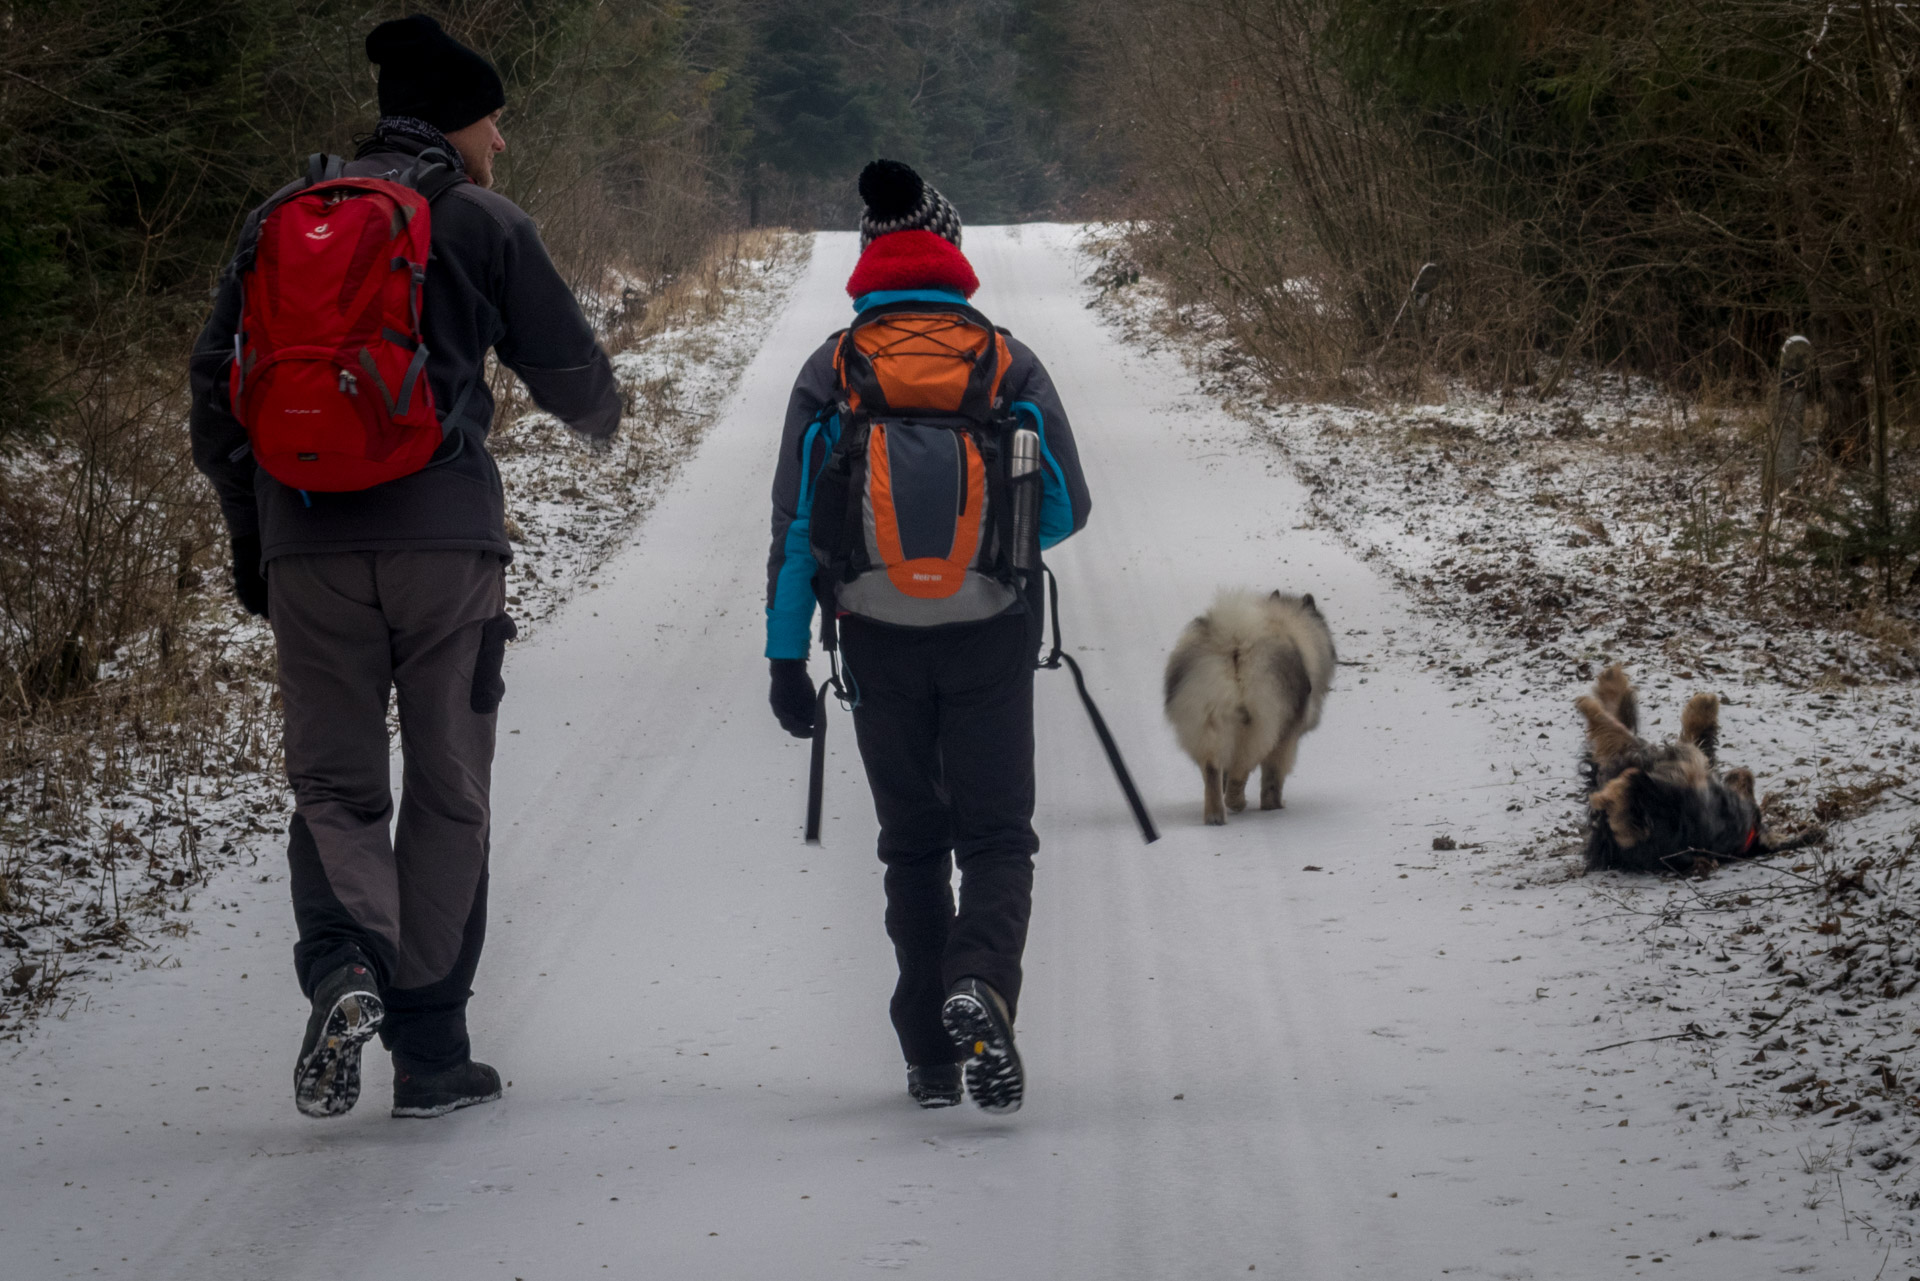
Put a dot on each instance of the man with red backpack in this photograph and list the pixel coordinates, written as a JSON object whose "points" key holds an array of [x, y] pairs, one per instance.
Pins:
{"points": [[925, 463], [341, 409]]}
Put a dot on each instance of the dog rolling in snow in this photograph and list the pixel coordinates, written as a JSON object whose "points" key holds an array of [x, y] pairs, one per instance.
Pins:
{"points": [[1244, 682], [1661, 808]]}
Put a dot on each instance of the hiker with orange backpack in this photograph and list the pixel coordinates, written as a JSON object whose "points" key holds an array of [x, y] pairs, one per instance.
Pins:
{"points": [[926, 462], [340, 408]]}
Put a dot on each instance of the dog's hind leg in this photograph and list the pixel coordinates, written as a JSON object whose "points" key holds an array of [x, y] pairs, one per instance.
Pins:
{"points": [[1214, 808], [1274, 771], [1236, 792], [1700, 725], [1615, 802], [1607, 738], [1615, 693], [1812, 836]]}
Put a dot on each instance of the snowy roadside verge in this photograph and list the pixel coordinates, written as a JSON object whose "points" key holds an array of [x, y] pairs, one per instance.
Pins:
{"points": [[185, 795], [1774, 1002], [568, 509]]}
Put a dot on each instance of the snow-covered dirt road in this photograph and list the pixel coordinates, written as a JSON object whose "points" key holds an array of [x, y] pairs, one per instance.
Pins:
{"points": [[1303, 1045]]}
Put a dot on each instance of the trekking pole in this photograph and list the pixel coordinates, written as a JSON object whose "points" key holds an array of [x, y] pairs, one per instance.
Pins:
{"points": [[1148, 832], [817, 766]]}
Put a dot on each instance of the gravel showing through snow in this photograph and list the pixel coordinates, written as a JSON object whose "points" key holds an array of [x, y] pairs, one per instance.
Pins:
{"points": [[1307, 1044]]}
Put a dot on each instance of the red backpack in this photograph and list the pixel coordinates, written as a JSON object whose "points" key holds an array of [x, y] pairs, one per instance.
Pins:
{"points": [[329, 364]]}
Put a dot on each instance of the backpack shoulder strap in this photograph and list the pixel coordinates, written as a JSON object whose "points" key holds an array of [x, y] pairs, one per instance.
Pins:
{"points": [[842, 376], [434, 173], [859, 386], [324, 168], [320, 168]]}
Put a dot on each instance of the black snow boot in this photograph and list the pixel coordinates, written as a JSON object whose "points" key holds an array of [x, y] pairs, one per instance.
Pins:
{"points": [[976, 1019], [937, 1085], [346, 1012], [438, 1093]]}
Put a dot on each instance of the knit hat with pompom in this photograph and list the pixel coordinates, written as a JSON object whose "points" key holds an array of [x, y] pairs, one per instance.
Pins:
{"points": [[898, 199]]}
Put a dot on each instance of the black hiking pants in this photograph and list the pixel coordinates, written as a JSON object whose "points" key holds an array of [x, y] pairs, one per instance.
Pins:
{"points": [[354, 629], [944, 719]]}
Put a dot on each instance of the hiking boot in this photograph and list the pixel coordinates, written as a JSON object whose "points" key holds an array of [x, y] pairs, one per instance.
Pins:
{"points": [[976, 1019], [346, 1012], [937, 1085], [427, 1094]]}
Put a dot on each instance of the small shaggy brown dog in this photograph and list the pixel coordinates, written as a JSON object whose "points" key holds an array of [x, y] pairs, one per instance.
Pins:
{"points": [[1665, 808]]}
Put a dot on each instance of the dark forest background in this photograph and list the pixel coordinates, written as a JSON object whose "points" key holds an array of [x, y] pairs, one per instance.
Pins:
{"points": [[1666, 189], [135, 133]]}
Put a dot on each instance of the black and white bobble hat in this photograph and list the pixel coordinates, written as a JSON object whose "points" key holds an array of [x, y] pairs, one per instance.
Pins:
{"points": [[898, 199]]}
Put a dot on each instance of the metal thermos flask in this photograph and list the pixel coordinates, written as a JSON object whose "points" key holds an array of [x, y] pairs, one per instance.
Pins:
{"points": [[1025, 461]]}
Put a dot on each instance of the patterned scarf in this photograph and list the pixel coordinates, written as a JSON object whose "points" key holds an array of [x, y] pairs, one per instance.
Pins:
{"points": [[388, 128]]}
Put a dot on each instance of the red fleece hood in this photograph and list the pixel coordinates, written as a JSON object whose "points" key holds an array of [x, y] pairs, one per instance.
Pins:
{"points": [[912, 260]]}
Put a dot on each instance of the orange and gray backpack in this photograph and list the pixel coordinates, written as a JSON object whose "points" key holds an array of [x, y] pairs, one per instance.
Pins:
{"points": [[913, 520]]}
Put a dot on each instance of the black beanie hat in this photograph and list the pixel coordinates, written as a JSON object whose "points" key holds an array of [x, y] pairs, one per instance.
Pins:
{"points": [[898, 199], [427, 74]]}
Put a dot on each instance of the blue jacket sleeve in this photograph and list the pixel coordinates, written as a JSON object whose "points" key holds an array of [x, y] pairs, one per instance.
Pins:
{"points": [[805, 442], [1064, 501]]}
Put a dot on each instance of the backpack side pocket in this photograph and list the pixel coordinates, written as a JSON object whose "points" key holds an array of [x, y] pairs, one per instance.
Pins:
{"points": [[834, 523]]}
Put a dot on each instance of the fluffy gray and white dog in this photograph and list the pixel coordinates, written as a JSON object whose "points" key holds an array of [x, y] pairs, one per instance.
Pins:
{"points": [[1244, 682]]}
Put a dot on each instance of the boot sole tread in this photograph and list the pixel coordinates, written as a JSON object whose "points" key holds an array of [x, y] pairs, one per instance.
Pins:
{"points": [[326, 1082], [994, 1074]]}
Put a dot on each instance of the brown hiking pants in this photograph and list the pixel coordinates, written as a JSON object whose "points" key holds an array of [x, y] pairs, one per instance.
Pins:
{"points": [[351, 629]]}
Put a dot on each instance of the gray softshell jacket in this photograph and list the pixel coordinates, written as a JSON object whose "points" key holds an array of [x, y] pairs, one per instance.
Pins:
{"points": [[489, 284]]}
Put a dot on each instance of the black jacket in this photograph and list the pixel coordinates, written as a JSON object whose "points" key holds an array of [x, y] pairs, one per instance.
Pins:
{"points": [[489, 284]]}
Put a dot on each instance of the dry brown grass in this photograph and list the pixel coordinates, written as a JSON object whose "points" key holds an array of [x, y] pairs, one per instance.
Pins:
{"points": [[698, 295]]}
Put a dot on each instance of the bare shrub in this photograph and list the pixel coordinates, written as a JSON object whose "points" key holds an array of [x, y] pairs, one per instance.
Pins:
{"points": [[1668, 189], [102, 525], [1660, 190]]}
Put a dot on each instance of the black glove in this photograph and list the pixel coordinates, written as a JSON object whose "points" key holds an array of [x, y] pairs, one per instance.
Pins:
{"points": [[249, 584], [792, 695]]}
